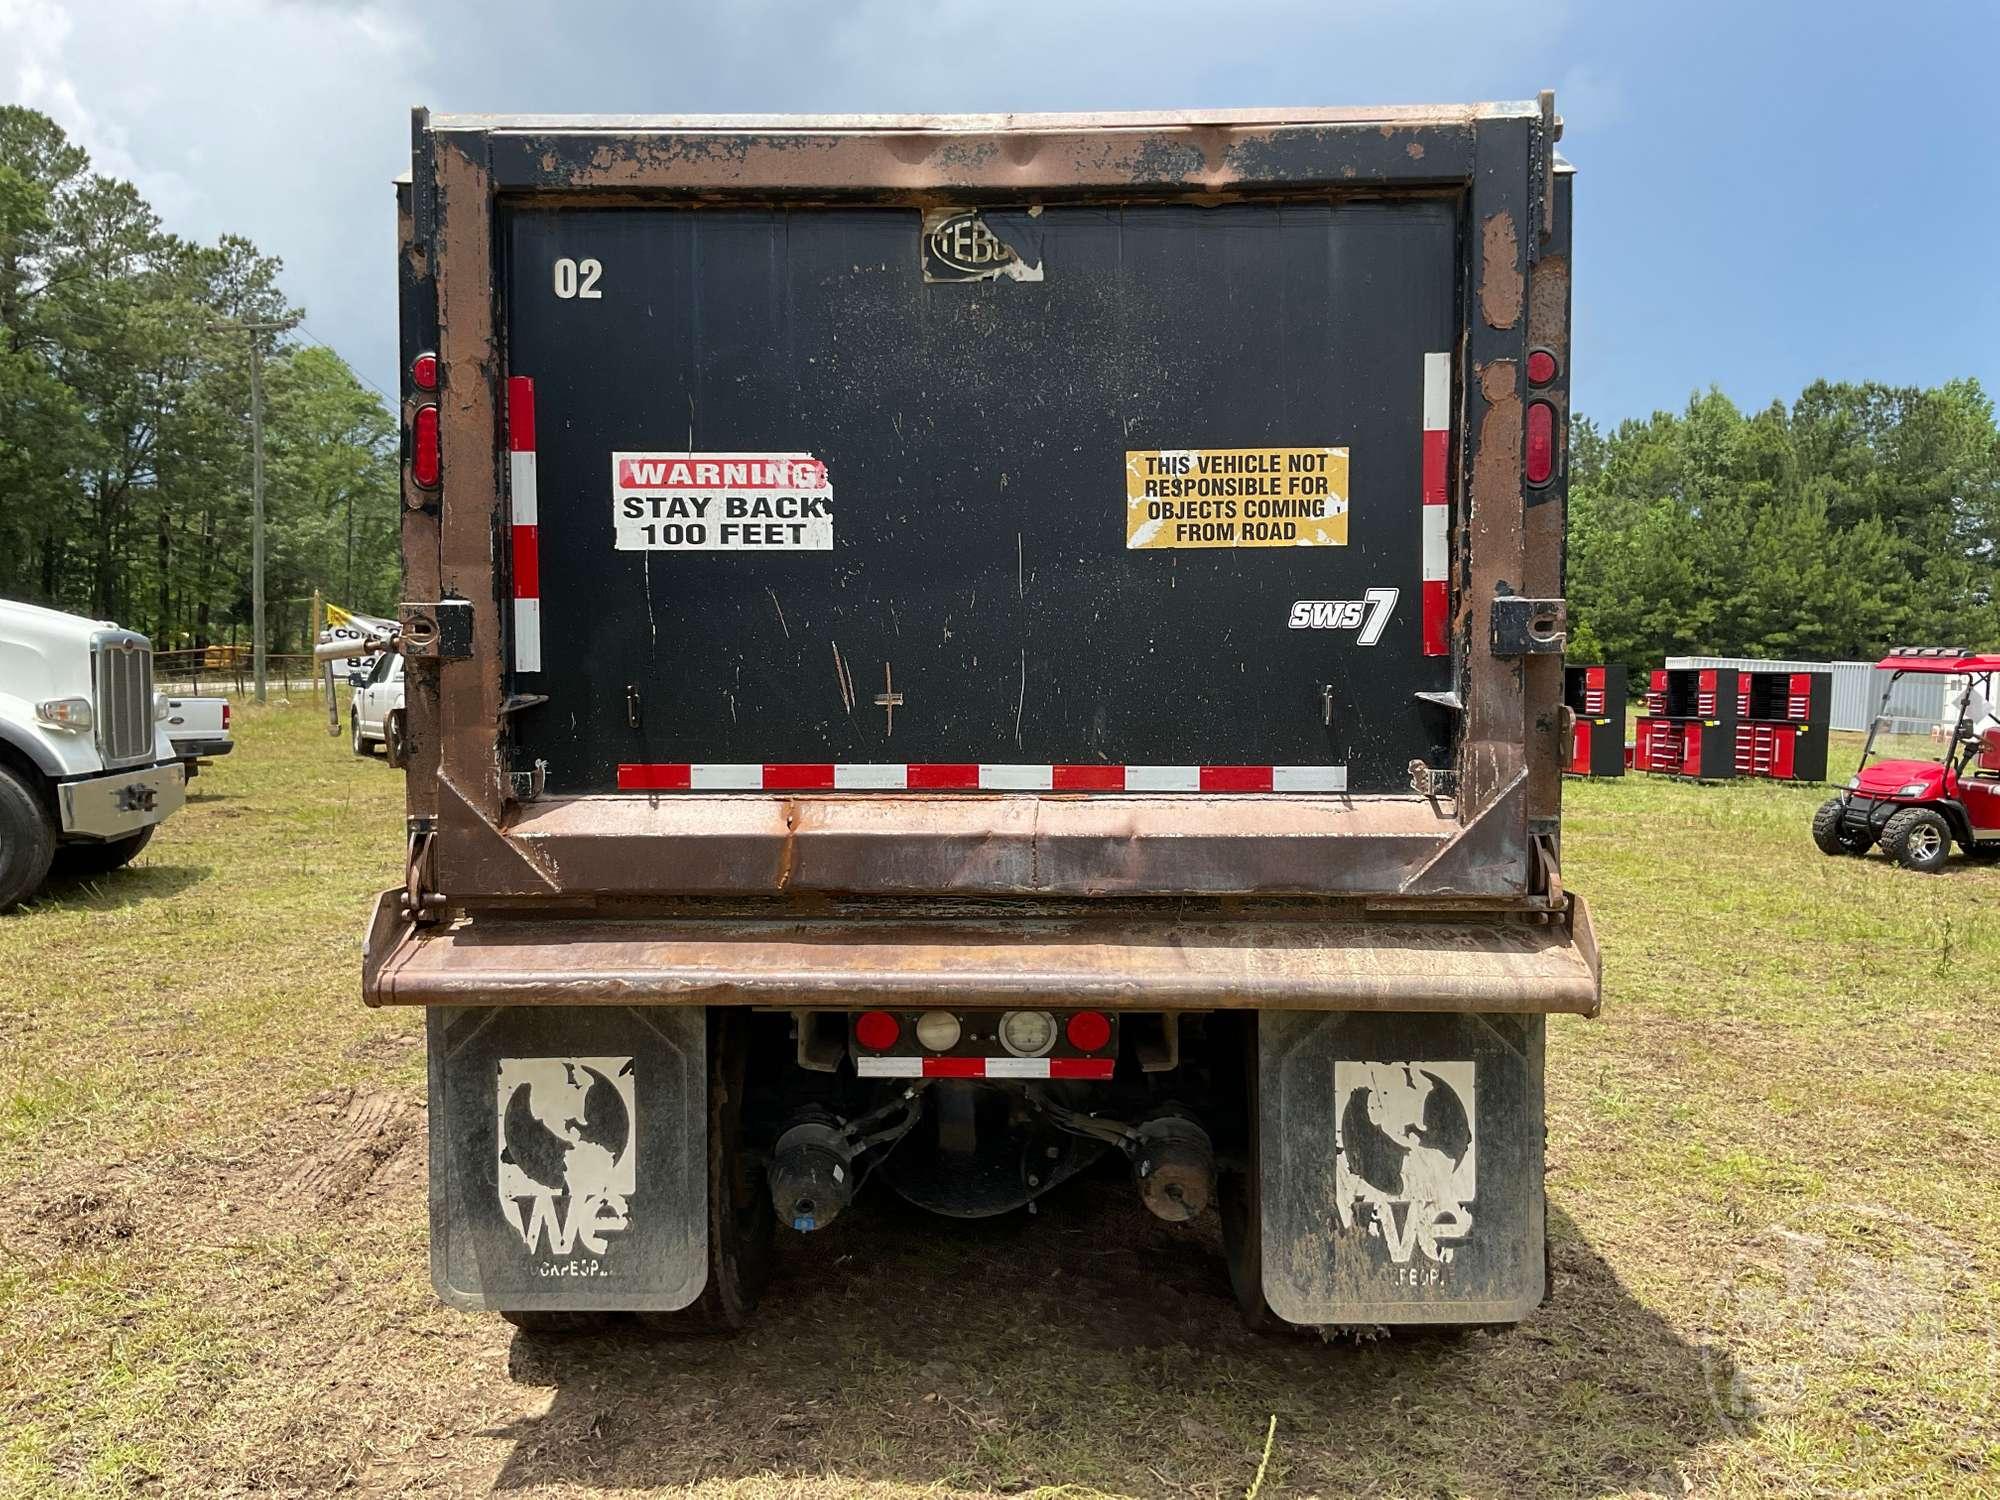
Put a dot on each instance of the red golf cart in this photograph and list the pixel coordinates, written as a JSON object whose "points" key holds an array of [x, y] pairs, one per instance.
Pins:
{"points": [[1915, 808]]}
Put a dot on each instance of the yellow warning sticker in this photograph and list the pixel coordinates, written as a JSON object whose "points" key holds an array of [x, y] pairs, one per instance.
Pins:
{"points": [[1236, 497]]}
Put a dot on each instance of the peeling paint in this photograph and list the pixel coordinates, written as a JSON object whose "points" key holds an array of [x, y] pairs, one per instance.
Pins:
{"points": [[1548, 304], [1500, 285]]}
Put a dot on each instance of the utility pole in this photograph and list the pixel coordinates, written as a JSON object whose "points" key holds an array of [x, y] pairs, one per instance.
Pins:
{"points": [[259, 641]]}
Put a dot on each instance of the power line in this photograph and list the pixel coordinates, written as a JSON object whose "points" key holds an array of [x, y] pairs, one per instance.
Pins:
{"points": [[352, 368]]}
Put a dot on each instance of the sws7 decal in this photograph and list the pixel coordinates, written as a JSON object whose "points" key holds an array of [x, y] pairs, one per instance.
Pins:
{"points": [[1369, 614]]}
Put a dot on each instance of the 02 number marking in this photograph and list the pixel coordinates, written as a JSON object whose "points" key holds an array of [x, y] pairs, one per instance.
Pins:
{"points": [[578, 278]]}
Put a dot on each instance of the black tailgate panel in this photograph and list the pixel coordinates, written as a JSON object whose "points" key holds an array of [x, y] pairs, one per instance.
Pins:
{"points": [[975, 439]]}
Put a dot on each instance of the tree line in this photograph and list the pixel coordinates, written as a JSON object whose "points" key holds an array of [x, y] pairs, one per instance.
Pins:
{"points": [[124, 420], [1859, 517]]}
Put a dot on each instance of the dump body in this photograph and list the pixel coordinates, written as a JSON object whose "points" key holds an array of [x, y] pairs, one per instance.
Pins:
{"points": [[874, 565]]}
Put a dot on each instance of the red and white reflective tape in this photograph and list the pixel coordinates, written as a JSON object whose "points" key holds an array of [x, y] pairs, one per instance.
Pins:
{"points": [[526, 529], [682, 776], [1437, 535], [984, 1067]]}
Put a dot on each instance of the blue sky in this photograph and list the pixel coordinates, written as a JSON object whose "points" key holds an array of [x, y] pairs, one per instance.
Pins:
{"points": [[1766, 193]]}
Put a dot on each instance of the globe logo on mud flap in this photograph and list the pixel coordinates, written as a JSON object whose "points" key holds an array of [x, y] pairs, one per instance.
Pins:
{"points": [[567, 1138], [1405, 1154]]}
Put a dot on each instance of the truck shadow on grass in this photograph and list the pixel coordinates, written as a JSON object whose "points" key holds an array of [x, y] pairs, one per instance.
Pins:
{"points": [[132, 886], [1094, 1346]]}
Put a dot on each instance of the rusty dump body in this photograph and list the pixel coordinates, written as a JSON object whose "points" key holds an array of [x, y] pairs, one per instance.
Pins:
{"points": [[1215, 800], [1470, 841]]}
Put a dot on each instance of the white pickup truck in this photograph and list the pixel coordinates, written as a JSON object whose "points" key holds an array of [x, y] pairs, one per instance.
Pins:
{"points": [[199, 728], [87, 766], [376, 714]]}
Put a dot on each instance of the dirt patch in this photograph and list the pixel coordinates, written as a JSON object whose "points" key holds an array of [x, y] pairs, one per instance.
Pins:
{"points": [[79, 1219], [367, 1146]]}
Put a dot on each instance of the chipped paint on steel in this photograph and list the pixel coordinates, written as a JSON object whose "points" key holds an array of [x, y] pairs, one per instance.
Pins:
{"points": [[1114, 961], [933, 155], [1500, 283], [988, 844]]}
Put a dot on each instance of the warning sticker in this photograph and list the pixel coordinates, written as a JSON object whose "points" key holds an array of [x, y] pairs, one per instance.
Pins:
{"points": [[721, 502], [1236, 497]]}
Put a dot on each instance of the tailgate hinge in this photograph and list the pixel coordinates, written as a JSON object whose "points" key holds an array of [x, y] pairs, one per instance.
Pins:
{"points": [[420, 902], [528, 784], [1548, 867], [1431, 781]]}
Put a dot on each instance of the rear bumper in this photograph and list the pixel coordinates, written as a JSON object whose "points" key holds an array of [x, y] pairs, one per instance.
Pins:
{"points": [[1446, 962], [203, 749], [111, 807]]}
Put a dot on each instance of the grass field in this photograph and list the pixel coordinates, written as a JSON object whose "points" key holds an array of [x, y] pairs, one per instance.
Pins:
{"points": [[1772, 1181]]}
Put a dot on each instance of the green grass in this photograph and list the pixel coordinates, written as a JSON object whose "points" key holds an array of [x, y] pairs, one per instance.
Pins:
{"points": [[1772, 1176]]}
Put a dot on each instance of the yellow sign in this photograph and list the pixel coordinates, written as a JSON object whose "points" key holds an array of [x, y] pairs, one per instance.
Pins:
{"points": [[1236, 497]]}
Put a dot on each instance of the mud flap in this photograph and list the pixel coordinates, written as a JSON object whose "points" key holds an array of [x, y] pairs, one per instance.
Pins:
{"points": [[568, 1157], [1401, 1166]]}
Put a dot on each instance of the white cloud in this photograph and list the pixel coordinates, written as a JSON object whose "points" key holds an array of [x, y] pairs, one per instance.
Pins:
{"points": [[285, 120]]}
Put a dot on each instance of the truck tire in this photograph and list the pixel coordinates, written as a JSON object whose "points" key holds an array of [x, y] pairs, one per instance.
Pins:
{"points": [[394, 747], [1243, 1247], [1831, 837], [1917, 839], [741, 1221], [27, 840], [354, 732], [76, 860], [559, 1325]]}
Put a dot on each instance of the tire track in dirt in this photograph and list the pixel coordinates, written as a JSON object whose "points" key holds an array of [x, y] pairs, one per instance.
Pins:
{"points": [[370, 1146]]}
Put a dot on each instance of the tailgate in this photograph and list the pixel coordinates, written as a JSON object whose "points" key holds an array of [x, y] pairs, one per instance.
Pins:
{"points": [[1090, 497]]}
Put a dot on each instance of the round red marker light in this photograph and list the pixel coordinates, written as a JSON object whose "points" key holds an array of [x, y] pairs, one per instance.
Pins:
{"points": [[424, 372], [1541, 367], [1088, 1031], [876, 1030]]}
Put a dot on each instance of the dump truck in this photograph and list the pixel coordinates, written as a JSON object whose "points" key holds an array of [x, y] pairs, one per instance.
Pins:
{"points": [[1060, 623], [87, 766]]}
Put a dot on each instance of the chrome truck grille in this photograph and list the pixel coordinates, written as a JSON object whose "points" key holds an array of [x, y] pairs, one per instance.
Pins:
{"points": [[122, 671]]}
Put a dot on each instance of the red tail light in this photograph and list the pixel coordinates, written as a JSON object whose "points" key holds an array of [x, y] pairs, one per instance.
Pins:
{"points": [[1541, 367], [1541, 461], [876, 1030], [424, 372], [425, 465], [1088, 1031], [225, 716]]}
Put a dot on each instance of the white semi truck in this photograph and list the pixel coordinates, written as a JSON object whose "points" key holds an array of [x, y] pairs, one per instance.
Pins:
{"points": [[87, 766]]}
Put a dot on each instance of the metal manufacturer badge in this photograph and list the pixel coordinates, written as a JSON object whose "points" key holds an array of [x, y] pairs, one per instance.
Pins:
{"points": [[964, 245]]}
